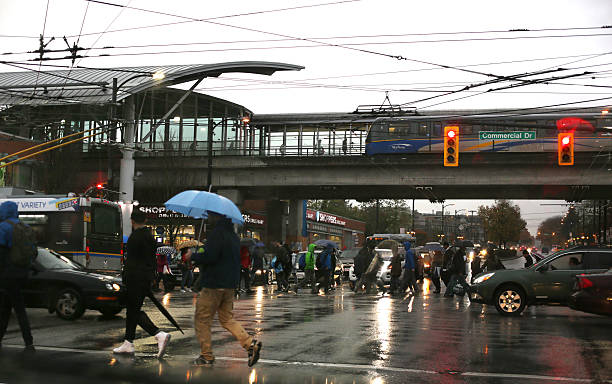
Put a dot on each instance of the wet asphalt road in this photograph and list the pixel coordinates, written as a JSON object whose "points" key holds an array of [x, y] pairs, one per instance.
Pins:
{"points": [[338, 338]]}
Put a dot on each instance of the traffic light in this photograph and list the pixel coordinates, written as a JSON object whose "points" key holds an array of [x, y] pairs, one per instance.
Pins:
{"points": [[451, 146], [565, 148]]}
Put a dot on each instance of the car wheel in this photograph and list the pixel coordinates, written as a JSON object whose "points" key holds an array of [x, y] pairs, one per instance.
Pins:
{"points": [[108, 313], [510, 300], [69, 304]]}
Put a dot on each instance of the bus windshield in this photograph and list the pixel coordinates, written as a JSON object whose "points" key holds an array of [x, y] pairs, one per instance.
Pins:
{"points": [[106, 220]]}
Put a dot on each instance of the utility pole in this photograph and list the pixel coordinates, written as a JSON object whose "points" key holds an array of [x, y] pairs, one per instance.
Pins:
{"points": [[472, 225], [413, 216]]}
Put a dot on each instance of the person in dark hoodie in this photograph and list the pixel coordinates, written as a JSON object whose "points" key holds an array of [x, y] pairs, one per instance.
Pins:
{"points": [[324, 266], [12, 278], [396, 270], [139, 272], [220, 274]]}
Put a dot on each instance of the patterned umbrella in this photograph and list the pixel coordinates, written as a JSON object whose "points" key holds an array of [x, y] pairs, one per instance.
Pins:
{"points": [[165, 250], [188, 244]]}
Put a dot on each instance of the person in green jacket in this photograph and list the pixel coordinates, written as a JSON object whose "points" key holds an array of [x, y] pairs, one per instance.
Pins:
{"points": [[309, 268]]}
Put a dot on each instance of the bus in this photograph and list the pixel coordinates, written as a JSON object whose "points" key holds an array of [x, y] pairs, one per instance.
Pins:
{"points": [[87, 230]]}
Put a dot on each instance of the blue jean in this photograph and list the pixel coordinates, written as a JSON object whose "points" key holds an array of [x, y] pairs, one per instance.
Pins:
{"points": [[187, 279]]}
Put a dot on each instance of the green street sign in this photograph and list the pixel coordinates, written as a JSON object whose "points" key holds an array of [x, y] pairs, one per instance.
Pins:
{"points": [[515, 135]]}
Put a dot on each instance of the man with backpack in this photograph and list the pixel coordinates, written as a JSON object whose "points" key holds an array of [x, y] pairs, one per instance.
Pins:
{"points": [[281, 263], [457, 274], [17, 251], [324, 265]]}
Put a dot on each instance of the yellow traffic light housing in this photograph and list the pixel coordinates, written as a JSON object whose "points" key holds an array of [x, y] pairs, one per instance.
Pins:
{"points": [[565, 148], [451, 146]]}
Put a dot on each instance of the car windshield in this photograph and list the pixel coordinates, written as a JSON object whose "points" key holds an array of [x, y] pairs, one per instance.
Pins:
{"points": [[385, 254], [349, 254], [49, 259], [546, 259]]}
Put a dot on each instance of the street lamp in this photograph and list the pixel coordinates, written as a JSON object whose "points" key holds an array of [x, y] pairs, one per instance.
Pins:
{"points": [[126, 173], [444, 205]]}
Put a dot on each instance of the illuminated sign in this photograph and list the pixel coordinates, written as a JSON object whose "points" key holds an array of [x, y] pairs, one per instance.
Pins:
{"points": [[250, 219], [323, 217]]}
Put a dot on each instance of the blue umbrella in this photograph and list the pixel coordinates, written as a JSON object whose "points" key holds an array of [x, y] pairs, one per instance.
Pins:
{"points": [[198, 204], [325, 243]]}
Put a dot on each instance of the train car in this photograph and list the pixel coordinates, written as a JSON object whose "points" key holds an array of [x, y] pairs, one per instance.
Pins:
{"points": [[489, 132]]}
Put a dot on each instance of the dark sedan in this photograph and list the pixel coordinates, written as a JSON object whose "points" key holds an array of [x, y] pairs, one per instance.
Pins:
{"points": [[593, 294], [66, 288]]}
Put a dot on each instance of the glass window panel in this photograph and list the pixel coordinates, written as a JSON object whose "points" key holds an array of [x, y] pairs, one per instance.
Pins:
{"points": [[188, 130], [567, 262], [174, 132], [202, 129]]}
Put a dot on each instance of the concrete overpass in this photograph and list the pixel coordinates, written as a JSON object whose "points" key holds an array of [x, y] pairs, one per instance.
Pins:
{"points": [[408, 176]]}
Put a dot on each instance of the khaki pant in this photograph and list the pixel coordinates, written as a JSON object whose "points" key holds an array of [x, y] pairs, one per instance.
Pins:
{"points": [[211, 301]]}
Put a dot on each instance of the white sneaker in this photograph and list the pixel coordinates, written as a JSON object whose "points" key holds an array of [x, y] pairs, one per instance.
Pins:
{"points": [[126, 347], [162, 342], [183, 291]]}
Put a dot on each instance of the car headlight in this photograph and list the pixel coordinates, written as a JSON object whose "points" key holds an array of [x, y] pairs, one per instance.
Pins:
{"points": [[483, 278], [113, 287], [258, 272]]}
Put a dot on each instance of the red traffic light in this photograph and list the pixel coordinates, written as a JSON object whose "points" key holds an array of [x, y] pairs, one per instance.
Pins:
{"points": [[100, 186], [565, 140], [451, 134]]}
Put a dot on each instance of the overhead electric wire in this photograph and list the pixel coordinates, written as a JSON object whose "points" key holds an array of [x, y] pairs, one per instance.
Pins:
{"points": [[397, 57], [42, 36], [76, 46], [167, 45]]}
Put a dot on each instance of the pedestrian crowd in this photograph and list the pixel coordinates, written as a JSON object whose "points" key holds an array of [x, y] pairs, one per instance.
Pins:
{"points": [[226, 268]]}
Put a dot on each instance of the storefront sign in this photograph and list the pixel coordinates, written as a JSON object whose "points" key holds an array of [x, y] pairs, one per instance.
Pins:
{"points": [[323, 217], [159, 212], [253, 219]]}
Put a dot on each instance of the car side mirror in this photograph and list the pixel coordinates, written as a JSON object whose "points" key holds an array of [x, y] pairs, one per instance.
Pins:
{"points": [[542, 268]]}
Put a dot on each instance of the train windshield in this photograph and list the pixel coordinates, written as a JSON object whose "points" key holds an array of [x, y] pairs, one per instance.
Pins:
{"points": [[106, 220]]}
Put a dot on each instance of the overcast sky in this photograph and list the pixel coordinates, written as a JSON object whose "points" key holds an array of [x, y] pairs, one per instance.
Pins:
{"points": [[349, 49]]}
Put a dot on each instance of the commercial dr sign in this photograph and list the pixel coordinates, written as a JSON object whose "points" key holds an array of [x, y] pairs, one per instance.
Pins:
{"points": [[516, 135]]}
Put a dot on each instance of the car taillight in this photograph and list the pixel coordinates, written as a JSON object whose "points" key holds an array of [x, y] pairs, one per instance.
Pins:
{"points": [[584, 283]]}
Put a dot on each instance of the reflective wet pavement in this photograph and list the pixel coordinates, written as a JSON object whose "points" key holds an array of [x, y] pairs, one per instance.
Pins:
{"points": [[339, 338]]}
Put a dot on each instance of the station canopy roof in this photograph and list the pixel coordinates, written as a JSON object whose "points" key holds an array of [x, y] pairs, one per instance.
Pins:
{"points": [[94, 85]]}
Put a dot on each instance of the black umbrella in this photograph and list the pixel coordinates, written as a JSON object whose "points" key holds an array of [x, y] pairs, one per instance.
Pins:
{"points": [[324, 243], [164, 311]]}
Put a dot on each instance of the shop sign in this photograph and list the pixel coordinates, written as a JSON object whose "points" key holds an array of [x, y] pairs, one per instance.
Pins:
{"points": [[159, 212], [251, 219], [323, 217]]}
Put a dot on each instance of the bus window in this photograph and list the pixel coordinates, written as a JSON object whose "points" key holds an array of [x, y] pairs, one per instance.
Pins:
{"points": [[105, 220]]}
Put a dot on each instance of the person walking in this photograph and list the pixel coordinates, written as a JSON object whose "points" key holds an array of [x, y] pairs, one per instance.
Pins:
{"points": [[280, 262], [309, 268], [396, 270], [409, 269], [362, 260], [436, 267], [528, 259], [475, 267], [186, 270], [139, 269], [245, 266], [458, 274], [324, 264], [447, 262], [17, 250], [220, 274]]}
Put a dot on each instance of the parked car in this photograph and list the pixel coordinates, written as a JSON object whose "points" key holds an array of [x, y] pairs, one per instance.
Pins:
{"points": [[592, 294], [549, 281], [65, 287], [347, 259]]}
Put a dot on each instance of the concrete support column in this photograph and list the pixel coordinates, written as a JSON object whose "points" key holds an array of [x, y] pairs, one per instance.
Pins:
{"points": [[128, 164], [275, 223], [296, 222]]}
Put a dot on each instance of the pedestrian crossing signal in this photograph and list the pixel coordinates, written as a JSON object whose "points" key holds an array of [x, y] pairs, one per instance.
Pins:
{"points": [[565, 148], [451, 146]]}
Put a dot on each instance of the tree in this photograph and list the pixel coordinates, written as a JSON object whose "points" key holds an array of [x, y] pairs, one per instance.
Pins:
{"points": [[502, 221], [549, 231], [525, 238]]}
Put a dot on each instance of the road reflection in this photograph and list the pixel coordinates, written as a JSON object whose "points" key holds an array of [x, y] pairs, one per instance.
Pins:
{"points": [[383, 327]]}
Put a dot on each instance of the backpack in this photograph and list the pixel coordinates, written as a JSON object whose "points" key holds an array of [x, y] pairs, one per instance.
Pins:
{"points": [[24, 250], [319, 262], [302, 261]]}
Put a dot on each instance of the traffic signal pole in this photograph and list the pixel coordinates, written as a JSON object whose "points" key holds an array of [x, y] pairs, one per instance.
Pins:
{"points": [[128, 165]]}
